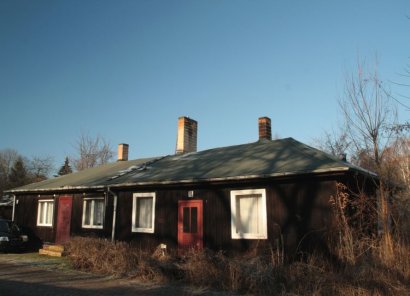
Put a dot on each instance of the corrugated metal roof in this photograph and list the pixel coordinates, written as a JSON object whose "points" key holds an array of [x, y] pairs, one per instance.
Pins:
{"points": [[254, 160]]}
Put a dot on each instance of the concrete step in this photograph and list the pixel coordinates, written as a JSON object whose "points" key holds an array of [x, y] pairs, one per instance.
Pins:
{"points": [[50, 253]]}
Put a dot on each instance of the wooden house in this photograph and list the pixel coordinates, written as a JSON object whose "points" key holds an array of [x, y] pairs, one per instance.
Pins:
{"points": [[228, 198]]}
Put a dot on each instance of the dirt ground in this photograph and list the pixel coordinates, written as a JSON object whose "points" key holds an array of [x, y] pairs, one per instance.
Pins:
{"points": [[34, 275]]}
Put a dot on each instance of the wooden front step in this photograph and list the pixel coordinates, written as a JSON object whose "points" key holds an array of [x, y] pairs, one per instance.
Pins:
{"points": [[52, 250], [56, 248]]}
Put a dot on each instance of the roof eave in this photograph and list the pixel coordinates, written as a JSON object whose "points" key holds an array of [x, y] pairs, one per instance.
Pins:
{"points": [[57, 189], [189, 181], [235, 178]]}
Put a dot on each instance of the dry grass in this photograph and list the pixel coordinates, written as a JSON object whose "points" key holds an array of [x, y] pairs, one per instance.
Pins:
{"points": [[369, 274]]}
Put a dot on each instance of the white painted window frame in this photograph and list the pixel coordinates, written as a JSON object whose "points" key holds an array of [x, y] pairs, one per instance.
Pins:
{"points": [[263, 233], [135, 196], [44, 214], [92, 199]]}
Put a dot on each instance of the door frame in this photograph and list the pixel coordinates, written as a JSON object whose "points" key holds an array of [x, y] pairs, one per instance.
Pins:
{"points": [[199, 237]]}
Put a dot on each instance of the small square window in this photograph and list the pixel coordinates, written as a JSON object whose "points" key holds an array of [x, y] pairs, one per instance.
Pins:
{"points": [[143, 212], [45, 212], [93, 212], [248, 208]]}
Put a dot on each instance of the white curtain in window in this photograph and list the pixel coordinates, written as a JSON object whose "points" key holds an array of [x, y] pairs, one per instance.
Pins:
{"points": [[144, 212], [247, 209], [42, 209], [49, 210], [87, 212], [45, 212], [98, 212]]}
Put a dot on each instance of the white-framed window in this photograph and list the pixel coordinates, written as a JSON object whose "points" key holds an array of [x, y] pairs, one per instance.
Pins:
{"points": [[45, 212], [93, 212], [143, 212], [248, 208]]}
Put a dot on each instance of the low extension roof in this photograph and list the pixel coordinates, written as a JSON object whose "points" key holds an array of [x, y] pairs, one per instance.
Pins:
{"points": [[261, 159]]}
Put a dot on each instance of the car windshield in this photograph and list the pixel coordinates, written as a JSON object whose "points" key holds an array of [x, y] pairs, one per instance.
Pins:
{"points": [[4, 226]]}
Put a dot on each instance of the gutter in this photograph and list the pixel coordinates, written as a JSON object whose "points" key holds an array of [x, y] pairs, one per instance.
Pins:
{"points": [[114, 213], [236, 178]]}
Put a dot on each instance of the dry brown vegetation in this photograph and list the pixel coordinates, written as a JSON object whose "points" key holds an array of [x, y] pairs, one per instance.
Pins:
{"points": [[368, 274]]}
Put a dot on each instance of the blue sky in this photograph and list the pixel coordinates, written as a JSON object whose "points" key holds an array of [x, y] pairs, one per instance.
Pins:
{"points": [[126, 70]]}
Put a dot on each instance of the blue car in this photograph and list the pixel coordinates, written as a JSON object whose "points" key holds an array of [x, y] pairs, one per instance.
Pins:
{"points": [[11, 237]]}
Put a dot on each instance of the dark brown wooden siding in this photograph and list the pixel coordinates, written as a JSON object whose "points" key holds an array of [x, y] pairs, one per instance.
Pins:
{"points": [[77, 216], [26, 216], [298, 210]]}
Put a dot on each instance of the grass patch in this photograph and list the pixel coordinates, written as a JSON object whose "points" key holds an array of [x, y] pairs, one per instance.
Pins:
{"points": [[60, 263]]}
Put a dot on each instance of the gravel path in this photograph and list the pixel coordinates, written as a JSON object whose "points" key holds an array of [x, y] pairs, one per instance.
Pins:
{"points": [[41, 277]]}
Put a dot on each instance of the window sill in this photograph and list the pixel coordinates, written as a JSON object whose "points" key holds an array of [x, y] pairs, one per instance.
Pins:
{"points": [[250, 236], [92, 227], [143, 230]]}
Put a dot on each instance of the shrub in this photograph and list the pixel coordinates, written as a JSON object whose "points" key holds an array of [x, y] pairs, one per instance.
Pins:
{"points": [[252, 273]]}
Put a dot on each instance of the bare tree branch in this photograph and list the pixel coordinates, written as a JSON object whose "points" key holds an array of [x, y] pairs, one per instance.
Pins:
{"points": [[92, 152]]}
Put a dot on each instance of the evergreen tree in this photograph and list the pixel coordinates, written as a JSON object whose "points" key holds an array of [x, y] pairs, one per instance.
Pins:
{"points": [[18, 174], [66, 168]]}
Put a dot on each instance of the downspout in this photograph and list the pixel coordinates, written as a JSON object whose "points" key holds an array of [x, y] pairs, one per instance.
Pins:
{"points": [[114, 213], [14, 207]]}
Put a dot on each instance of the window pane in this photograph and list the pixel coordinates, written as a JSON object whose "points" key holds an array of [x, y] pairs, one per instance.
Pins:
{"points": [[144, 212], [185, 219], [194, 217], [41, 208], [98, 212], [49, 210], [87, 212], [247, 209]]}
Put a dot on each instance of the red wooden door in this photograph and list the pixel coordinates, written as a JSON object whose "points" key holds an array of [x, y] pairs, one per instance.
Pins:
{"points": [[190, 224], [63, 219]]}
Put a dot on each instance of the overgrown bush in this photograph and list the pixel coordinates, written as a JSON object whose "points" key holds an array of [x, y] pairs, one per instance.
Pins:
{"points": [[368, 274]]}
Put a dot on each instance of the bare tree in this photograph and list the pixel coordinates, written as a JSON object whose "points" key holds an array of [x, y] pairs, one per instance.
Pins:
{"points": [[92, 152], [401, 99], [40, 167], [336, 143], [369, 112], [7, 159], [396, 169], [16, 170]]}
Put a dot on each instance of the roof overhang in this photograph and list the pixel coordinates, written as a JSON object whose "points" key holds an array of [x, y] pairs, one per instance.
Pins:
{"points": [[189, 181]]}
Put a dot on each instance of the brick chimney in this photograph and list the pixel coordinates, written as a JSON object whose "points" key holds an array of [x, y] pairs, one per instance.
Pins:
{"points": [[123, 152], [187, 135], [265, 128]]}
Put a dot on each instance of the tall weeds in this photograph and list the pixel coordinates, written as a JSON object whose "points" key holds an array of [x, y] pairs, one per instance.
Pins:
{"points": [[252, 273]]}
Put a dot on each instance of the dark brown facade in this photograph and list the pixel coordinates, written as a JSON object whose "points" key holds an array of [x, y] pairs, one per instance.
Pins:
{"points": [[298, 209]]}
